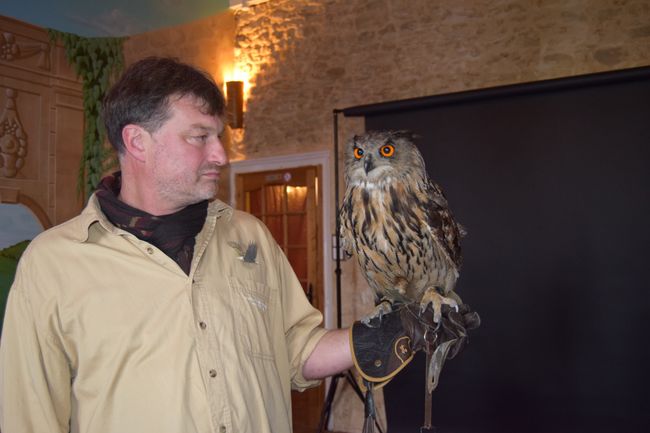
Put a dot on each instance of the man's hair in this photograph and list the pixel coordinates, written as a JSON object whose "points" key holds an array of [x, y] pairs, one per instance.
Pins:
{"points": [[142, 95]]}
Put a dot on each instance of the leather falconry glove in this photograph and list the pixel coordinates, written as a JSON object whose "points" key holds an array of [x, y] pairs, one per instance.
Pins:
{"points": [[384, 346]]}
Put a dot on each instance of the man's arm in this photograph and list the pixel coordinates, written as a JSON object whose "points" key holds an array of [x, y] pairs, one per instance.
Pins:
{"points": [[34, 373], [330, 356]]}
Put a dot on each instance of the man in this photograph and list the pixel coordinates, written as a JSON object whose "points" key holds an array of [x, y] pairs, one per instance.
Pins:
{"points": [[159, 309]]}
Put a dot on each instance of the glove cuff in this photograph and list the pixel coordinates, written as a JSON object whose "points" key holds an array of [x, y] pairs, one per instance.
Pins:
{"points": [[381, 349]]}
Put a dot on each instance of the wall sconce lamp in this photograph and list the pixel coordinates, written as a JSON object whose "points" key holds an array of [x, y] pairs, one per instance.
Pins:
{"points": [[235, 103]]}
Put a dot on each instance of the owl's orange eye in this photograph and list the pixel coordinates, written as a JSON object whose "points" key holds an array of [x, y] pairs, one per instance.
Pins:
{"points": [[358, 152], [387, 150]]}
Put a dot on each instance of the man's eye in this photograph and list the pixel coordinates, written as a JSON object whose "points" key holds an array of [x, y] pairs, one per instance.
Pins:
{"points": [[199, 138]]}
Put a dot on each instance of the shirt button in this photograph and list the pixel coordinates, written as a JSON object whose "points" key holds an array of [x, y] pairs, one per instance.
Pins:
{"points": [[149, 250], [213, 373], [222, 429], [203, 325]]}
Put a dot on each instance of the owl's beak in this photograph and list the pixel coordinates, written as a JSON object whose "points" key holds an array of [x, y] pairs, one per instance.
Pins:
{"points": [[368, 164]]}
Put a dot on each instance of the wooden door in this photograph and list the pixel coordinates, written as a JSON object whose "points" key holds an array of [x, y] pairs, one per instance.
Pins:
{"points": [[289, 203]]}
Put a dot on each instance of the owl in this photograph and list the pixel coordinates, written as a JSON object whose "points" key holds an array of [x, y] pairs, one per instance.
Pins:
{"points": [[398, 224]]}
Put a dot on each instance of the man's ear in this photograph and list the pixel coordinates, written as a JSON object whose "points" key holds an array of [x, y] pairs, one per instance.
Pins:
{"points": [[134, 137]]}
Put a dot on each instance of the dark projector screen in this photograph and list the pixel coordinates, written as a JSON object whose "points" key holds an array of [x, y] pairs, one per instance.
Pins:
{"points": [[552, 182]]}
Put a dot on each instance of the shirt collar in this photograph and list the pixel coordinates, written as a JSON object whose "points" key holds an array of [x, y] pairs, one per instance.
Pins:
{"points": [[93, 214]]}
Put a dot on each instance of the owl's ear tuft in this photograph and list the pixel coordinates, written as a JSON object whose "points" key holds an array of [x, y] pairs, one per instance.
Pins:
{"points": [[405, 133]]}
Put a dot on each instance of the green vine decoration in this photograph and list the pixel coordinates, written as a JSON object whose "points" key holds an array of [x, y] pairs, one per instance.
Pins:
{"points": [[96, 61]]}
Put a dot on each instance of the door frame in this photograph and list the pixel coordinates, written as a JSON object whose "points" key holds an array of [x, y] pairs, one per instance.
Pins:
{"points": [[323, 159]]}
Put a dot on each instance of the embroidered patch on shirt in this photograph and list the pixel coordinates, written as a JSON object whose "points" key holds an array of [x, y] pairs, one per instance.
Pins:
{"points": [[256, 302], [249, 255]]}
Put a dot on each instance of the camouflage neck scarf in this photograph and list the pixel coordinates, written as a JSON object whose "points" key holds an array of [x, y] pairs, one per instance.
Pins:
{"points": [[174, 234]]}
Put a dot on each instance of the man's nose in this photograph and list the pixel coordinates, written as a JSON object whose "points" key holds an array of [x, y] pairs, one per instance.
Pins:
{"points": [[217, 153]]}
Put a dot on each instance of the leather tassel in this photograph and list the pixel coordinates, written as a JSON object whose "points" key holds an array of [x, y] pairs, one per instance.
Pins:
{"points": [[369, 409]]}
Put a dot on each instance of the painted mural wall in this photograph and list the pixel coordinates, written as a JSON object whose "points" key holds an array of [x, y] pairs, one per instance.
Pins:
{"points": [[18, 226]]}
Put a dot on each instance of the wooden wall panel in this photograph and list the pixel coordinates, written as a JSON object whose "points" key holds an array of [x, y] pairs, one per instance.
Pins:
{"points": [[66, 119], [41, 123]]}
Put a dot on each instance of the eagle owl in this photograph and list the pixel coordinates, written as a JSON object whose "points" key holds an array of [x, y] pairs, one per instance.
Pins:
{"points": [[398, 223]]}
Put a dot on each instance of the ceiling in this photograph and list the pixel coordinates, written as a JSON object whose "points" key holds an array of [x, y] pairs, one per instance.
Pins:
{"points": [[111, 17]]}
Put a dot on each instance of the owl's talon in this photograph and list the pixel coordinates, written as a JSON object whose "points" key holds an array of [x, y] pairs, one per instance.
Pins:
{"points": [[431, 296], [384, 307]]}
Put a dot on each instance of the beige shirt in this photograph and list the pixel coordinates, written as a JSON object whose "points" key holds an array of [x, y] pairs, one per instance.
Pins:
{"points": [[105, 333]]}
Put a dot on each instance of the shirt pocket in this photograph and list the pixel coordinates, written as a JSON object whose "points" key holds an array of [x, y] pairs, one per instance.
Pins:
{"points": [[253, 301]]}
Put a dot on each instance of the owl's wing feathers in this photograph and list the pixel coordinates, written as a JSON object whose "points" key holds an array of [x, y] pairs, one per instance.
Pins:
{"points": [[345, 230], [441, 221]]}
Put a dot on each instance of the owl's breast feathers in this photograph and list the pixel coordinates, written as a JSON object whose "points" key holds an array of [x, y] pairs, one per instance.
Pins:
{"points": [[403, 234]]}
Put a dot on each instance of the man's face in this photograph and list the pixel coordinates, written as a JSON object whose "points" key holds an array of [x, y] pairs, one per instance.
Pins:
{"points": [[186, 155]]}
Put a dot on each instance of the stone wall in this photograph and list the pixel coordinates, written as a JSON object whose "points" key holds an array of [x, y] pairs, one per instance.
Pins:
{"points": [[308, 57]]}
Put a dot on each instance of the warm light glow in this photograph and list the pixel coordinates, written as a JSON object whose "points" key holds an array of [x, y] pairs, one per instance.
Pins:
{"points": [[296, 198], [297, 192], [237, 74]]}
